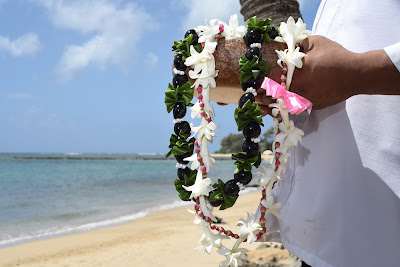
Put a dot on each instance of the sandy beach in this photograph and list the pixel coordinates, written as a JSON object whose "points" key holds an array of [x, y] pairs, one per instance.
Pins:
{"points": [[164, 238]]}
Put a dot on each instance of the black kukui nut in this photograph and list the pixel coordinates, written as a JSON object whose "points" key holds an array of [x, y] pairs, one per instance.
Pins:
{"points": [[183, 172], [251, 82], [252, 130], [245, 98], [195, 38], [231, 188], [179, 158], [253, 52], [253, 37], [179, 80], [250, 148], [243, 177], [184, 126], [179, 63], [179, 111], [216, 203], [273, 33]]}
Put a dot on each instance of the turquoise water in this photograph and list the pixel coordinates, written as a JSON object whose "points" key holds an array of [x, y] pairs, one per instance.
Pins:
{"points": [[44, 195]]}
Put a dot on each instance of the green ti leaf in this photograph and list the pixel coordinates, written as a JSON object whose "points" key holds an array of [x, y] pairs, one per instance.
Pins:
{"points": [[183, 47], [220, 195], [249, 112], [261, 25], [255, 68], [179, 145], [187, 181], [181, 94], [244, 163]]}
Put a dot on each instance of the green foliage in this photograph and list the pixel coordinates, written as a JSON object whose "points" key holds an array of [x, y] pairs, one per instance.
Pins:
{"points": [[183, 47], [244, 163], [255, 68], [249, 112], [181, 94], [231, 143], [219, 194], [188, 181], [258, 24], [179, 145]]}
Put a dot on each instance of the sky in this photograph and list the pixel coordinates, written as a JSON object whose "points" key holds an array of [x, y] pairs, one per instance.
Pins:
{"points": [[88, 76]]}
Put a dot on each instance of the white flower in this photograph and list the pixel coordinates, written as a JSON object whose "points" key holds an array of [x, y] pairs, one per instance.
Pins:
{"points": [[292, 60], [203, 61], [197, 220], [271, 207], [207, 159], [292, 33], [208, 108], [291, 135], [233, 258], [193, 159], [208, 240], [196, 110], [267, 176], [205, 129], [208, 33], [280, 107], [201, 187], [206, 78], [233, 29], [249, 228]]}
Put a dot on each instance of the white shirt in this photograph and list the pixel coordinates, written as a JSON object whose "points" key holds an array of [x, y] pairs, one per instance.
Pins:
{"points": [[341, 192]]}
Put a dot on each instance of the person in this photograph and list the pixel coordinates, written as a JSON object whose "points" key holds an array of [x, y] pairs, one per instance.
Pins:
{"points": [[341, 191]]}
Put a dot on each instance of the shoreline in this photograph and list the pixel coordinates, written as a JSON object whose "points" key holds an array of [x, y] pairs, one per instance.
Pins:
{"points": [[162, 238]]}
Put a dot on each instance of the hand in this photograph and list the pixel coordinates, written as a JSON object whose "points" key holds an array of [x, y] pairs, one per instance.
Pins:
{"points": [[327, 73]]}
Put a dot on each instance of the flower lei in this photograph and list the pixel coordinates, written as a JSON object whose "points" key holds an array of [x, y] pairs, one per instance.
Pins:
{"points": [[197, 51]]}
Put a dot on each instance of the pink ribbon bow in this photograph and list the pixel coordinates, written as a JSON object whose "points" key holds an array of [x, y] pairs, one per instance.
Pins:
{"points": [[295, 103]]}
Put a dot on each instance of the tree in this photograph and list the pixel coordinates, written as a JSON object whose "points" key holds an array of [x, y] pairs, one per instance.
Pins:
{"points": [[277, 10], [233, 142]]}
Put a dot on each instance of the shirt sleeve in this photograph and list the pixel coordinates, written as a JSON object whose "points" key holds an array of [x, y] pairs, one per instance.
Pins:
{"points": [[393, 51]]}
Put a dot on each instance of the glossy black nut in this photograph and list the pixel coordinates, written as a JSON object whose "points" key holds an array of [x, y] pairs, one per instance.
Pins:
{"points": [[251, 82], [245, 98], [216, 203], [250, 148], [273, 33], [179, 63], [183, 172], [253, 52], [179, 80], [253, 37], [252, 130], [195, 38], [184, 126], [179, 111], [231, 188], [243, 177], [179, 158]]}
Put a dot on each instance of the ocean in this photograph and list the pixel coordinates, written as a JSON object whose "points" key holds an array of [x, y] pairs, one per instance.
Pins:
{"points": [[47, 195]]}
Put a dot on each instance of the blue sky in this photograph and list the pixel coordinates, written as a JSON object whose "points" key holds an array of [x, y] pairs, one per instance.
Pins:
{"points": [[90, 75]]}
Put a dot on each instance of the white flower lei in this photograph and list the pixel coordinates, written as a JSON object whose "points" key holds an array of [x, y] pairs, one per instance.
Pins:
{"points": [[286, 135]]}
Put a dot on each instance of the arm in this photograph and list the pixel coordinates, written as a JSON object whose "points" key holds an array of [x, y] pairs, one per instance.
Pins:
{"points": [[331, 74]]}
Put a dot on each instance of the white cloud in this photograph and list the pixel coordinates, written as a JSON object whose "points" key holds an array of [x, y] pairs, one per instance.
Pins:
{"points": [[114, 32], [198, 11], [23, 45], [151, 59]]}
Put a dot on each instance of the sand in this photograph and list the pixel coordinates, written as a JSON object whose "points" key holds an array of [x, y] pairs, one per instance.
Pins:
{"points": [[164, 238]]}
